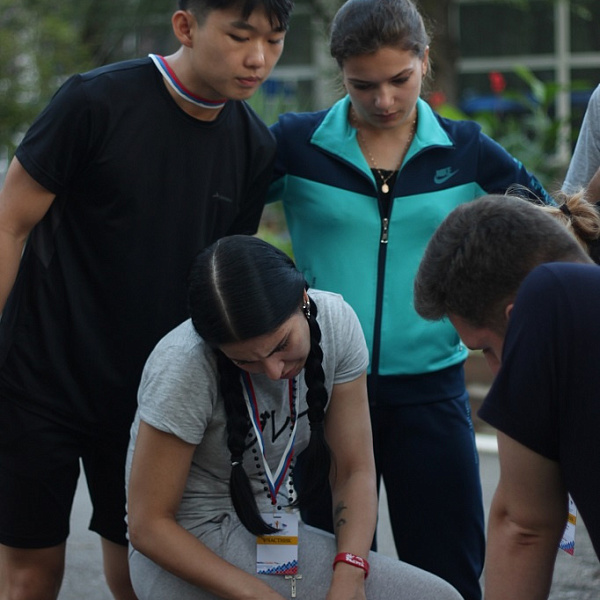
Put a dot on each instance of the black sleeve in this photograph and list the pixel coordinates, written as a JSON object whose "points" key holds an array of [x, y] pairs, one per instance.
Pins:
{"points": [[57, 146]]}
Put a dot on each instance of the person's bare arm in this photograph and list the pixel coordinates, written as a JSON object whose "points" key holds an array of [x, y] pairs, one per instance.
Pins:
{"points": [[527, 518], [593, 188], [23, 203], [159, 471], [354, 493]]}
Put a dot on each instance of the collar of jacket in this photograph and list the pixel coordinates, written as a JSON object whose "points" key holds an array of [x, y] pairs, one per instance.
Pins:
{"points": [[336, 136]]}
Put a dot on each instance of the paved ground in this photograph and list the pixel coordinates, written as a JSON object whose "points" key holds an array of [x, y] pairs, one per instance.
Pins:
{"points": [[576, 577]]}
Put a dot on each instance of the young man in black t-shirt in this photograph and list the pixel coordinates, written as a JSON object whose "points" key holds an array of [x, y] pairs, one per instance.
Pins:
{"points": [[517, 285], [129, 171]]}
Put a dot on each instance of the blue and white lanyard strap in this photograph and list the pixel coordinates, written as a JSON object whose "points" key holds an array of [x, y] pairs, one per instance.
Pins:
{"points": [[274, 481]]}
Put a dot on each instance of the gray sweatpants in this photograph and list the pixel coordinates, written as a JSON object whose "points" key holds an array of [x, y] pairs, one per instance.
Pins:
{"points": [[388, 578]]}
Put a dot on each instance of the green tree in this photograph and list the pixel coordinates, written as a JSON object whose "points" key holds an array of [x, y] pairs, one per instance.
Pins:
{"points": [[42, 42], [39, 46]]}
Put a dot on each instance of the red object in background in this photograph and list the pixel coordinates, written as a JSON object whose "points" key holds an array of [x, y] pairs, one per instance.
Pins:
{"points": [[436, 99], [497, 82]]}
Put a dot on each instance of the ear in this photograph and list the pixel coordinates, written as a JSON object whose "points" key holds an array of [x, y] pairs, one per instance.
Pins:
{"points": [[183, 22], [425, 64], [508, 310]]}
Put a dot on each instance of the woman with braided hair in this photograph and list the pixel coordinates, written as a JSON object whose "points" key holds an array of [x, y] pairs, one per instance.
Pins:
{"points": [[263, 370], [581, 218]]}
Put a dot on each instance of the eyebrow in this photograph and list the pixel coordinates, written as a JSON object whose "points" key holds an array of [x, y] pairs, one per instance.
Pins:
{"points": [[400, 74], [247, 27]]}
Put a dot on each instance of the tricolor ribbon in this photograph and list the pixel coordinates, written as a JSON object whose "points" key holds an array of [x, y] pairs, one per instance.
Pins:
{"points": [[163, 66], [274, 481]]}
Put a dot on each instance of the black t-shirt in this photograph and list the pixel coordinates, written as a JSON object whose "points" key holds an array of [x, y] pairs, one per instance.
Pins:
{"points": [[546, 395], [140, 188]]}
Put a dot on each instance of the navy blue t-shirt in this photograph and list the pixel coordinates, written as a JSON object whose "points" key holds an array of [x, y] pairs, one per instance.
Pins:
{"points": [[546, 396]]}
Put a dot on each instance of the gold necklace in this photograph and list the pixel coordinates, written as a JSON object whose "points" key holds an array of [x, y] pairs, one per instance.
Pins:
{"points": [[385, 188]]}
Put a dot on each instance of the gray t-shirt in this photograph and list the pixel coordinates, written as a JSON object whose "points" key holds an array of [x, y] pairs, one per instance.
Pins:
{"points": [[178, 394], [586, 157]]}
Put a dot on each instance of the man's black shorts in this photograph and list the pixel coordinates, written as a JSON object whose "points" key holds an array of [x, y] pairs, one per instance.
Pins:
{"points": [[39, 469]]}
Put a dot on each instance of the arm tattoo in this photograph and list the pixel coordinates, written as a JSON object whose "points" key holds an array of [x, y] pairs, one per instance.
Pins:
{"points": [[337, 514]]}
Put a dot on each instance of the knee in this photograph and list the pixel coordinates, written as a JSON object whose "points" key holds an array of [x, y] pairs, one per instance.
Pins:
{"points": [[30, 583]]}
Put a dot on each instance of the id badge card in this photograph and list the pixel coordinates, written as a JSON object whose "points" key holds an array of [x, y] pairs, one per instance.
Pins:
{"points": [[277, 553], [568, 538]]}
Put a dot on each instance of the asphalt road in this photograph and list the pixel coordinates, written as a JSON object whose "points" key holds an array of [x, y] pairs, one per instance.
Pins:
{"points": [[575, 578]]}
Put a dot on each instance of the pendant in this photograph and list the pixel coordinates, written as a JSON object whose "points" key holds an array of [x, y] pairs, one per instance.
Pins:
{"points": [[294, 579], [385, 188]]}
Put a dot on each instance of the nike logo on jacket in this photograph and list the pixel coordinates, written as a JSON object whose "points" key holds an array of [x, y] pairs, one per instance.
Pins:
{"points": [[442, 175]]}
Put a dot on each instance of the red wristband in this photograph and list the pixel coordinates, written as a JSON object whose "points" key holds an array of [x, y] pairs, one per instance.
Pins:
{"points": [[352, 559]]}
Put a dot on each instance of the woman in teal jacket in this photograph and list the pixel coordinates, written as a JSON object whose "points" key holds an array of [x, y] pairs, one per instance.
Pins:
{"points": [[364, 186]]}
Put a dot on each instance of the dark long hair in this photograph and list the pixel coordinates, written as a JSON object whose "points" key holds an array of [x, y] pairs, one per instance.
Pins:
{"points": [[240, 288]]}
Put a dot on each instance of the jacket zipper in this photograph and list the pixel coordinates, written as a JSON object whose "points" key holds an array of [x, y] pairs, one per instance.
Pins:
{"points": [[385, 222], [381, 265]]}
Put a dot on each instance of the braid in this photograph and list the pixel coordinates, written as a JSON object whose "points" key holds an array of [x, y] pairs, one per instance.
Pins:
{"points": [[238, 425], [317, 455]]}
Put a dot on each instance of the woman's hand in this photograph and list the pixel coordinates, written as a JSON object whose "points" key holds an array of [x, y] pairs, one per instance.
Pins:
{"points": [[347, 583], [269, 594]]}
